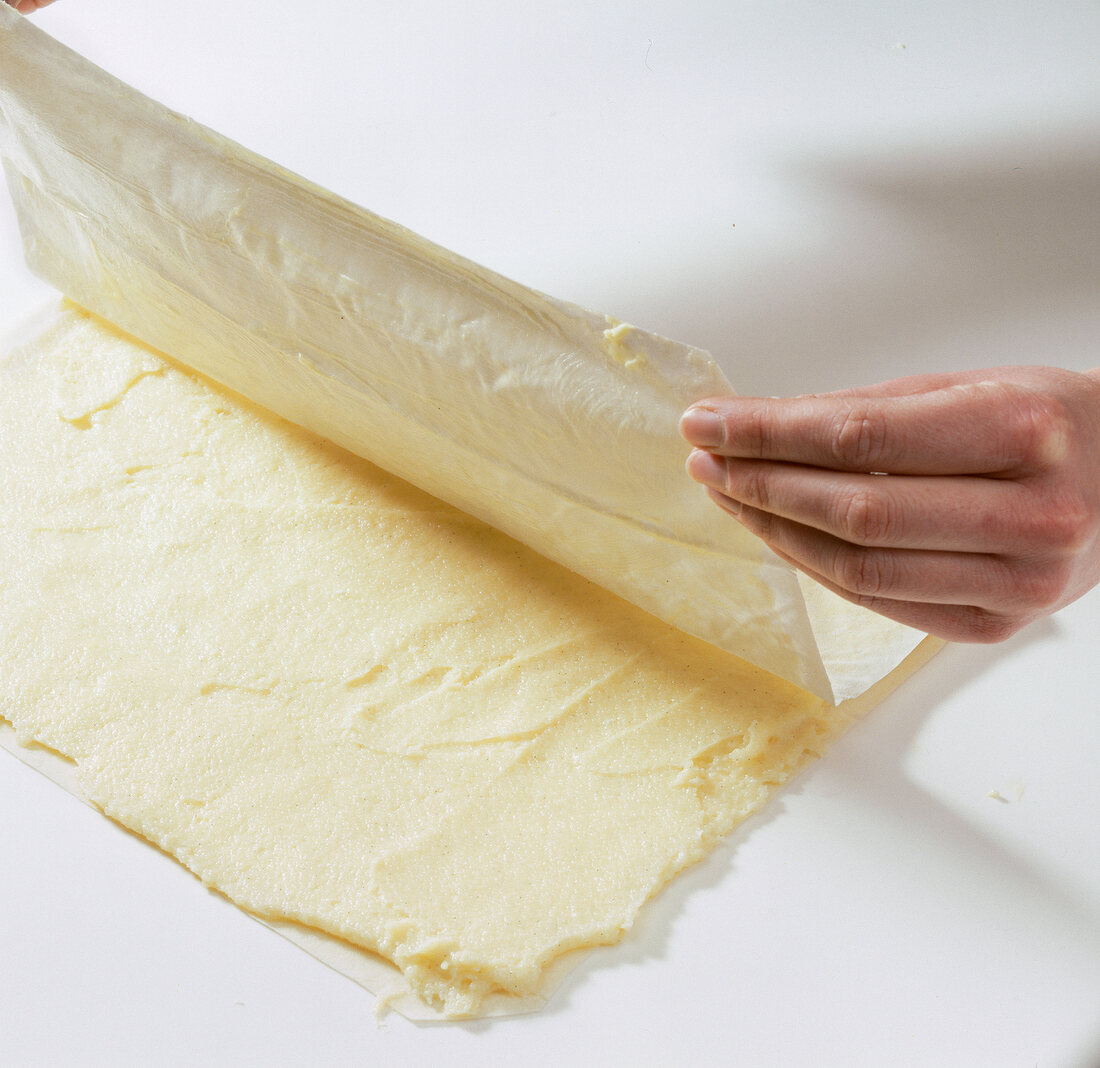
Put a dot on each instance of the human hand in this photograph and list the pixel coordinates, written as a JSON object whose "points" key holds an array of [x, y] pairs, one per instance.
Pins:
{"points": [[27, 6], [987, 516]]}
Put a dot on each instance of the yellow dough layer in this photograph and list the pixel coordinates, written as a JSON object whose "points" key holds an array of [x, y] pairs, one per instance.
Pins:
{"points": [[341, 701], [558, 425]]}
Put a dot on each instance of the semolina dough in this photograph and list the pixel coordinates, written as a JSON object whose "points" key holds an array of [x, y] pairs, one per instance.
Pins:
{"points": [[342, 702]]}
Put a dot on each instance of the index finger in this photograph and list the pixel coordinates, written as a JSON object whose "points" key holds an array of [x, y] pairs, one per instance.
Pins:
{"points": [[976, 428]]}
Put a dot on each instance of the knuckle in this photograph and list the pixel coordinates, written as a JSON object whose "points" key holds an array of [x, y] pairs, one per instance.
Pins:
{"points": [[989, 628], [866, 517], [1037, 427], [1069, 523], [1060, 522], [866, 574], [1035, 587], [1038, 528], [754, 488], [859, 438], [753, 431], [1040, 588]]}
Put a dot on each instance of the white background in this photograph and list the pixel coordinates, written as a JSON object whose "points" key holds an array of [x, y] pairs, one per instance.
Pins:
{"points": [[822, 195]]}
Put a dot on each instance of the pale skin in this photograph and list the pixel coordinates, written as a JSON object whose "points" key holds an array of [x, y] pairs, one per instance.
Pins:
{"points": [[986, 519]]}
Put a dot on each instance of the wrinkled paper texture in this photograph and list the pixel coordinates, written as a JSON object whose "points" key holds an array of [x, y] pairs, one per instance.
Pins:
{"points": [[554, 424]]}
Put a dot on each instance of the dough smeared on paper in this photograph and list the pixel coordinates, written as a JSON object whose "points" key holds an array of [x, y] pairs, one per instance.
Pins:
{"points": [[552, 423], [343, 702]]}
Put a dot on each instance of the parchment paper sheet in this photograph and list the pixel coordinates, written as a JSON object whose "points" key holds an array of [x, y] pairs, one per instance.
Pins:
{"points": [[552, 423]]}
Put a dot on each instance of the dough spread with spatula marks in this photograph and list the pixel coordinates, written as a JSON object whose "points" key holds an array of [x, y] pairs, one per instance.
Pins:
{"points": [[342, 702]]}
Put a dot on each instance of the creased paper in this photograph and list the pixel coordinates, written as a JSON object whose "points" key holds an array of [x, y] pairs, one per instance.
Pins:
{"points": [[554, 424]]}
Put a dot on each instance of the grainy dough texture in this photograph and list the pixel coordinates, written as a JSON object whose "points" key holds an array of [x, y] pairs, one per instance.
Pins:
{"points": [[551, 423], [342, 702]]}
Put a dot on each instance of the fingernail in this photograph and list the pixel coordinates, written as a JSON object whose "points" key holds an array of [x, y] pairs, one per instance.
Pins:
{"points": [[703, 427], [705, 468]]}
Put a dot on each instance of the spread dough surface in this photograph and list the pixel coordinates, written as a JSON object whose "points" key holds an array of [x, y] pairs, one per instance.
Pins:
{"points": [[554, 424], [342, 702]]}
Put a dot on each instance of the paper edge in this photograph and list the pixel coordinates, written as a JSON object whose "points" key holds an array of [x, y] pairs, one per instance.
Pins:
{"points": [[378, 976], [374, 973]]}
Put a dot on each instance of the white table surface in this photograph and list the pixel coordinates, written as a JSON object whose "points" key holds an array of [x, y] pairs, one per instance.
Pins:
{"points": [[822, 195]]}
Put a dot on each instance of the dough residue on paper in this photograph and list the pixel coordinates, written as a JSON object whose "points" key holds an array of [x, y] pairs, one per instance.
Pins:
{"points": [[342, 702], [557, 425]]}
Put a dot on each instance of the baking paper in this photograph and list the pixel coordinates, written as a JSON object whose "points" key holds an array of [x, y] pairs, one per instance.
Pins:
{"points": [[370, 971], [554, 424]]}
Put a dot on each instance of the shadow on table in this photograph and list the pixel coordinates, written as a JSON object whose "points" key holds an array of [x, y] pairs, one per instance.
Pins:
{"points": [[891, 730], [965, 257], [955, 260]]}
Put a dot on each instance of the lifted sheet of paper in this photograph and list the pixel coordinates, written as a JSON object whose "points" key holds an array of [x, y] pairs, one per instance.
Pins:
{"points": [[347, 705], [553, 424], [382, 719]]}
